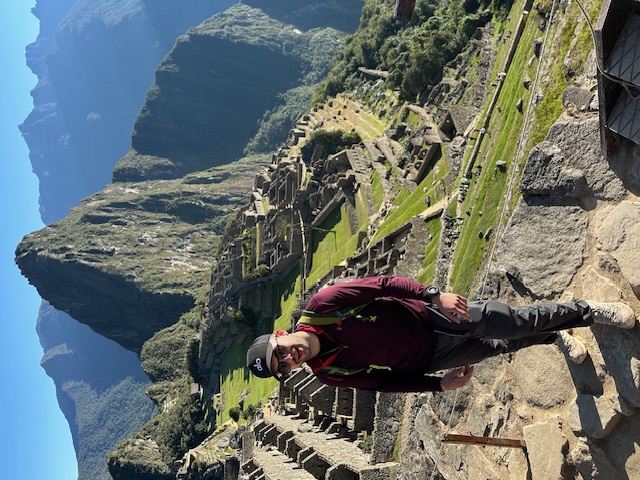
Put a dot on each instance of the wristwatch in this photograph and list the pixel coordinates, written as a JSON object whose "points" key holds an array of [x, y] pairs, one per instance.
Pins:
{"points": [[433, 292]]}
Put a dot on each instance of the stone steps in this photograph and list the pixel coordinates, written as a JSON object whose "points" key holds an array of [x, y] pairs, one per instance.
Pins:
{"points": [[314, 427], [314, 449], [270, 463], [311, 398]]}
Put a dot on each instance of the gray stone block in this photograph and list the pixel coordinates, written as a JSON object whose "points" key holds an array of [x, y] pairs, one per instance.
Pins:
{"points": [[593, 416], [303, 454], [389, 409], [293, 447], [269, 435], [248, 443], [343, 401], [281, 441], [295, 378], [382, 471], [323, 399], [260, 426], [315, 465], [341, 472], [545, 446], [364, 404], [249, 466], [231, 468]]}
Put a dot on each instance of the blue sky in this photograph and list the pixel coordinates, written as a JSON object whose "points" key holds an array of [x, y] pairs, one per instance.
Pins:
{"points": [[36, 438]]}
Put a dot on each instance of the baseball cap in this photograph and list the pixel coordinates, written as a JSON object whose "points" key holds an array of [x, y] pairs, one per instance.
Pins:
{"points": [[259, 355]]}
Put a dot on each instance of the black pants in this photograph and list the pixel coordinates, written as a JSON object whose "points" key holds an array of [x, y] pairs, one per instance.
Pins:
{"points": [[497, 328]]}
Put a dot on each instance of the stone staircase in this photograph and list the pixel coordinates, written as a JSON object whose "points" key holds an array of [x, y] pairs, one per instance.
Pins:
{"points": [[313, 431], [289, 447]]}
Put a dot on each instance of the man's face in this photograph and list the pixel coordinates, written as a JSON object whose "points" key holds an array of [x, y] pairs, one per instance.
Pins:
{"points": [[291, 352]]}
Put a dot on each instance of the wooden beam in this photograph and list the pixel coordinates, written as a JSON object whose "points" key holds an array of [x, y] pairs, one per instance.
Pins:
{"points": [[489, 441]]}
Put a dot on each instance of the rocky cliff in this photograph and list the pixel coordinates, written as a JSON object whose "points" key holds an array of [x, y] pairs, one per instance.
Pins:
{"points": [[213, 89], [167, 218], [135, 251], [90, 88]]}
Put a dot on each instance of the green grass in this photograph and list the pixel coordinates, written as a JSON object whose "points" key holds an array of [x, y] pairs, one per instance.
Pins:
{"points": [[256, 256], [362, 210], [487, 191], [430, 251], [401, 196], [234, 377], [550, 108], [413, 118], [373, 121], [410, 204], [378, 191], [484, 200], [331, 243], [289, 289]]}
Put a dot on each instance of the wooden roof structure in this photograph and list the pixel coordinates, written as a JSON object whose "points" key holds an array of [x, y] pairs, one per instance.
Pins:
{"points": [[617, 39], [404, 10]]}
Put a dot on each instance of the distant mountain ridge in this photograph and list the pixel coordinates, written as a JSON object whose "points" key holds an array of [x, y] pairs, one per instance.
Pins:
{"points": [[197, 115], [80, 125], [95, 62], [214, 88], [94, 67]]}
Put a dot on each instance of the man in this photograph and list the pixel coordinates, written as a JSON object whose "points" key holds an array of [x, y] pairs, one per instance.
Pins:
{"points": [[404, 331]]}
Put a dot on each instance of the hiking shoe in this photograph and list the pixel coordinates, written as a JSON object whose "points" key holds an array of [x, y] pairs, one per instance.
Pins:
{"points": [[573, 348], [616, 314]]}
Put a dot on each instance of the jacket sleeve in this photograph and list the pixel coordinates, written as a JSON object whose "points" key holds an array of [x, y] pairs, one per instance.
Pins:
{"points": [[364, 290], [385, 381]]}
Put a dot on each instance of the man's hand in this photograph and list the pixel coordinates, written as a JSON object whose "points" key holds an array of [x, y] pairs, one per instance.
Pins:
{"points": [[456, 378], [454, 306]]}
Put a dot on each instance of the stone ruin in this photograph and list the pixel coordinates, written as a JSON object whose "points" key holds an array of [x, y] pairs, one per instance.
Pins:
{"points": [[290, 199], [318, 432]]}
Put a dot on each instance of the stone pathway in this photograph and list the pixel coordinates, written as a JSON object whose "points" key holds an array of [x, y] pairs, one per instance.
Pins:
{"points": [[278, 466], [328, 445]]}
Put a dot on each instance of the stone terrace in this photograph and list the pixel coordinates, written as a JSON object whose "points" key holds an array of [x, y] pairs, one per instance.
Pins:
{"points": [[316, 430], [315, 448]]}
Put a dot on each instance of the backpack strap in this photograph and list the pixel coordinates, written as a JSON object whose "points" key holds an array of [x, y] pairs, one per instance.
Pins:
{"points": [[343, 372], [313, 318], [320, 319]]}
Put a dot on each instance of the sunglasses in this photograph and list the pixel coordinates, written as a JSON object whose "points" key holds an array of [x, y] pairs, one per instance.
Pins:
{"points": [[283, 367]]}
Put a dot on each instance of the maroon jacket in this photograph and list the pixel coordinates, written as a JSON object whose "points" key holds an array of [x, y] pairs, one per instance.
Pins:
{"points": [[401, 337]]}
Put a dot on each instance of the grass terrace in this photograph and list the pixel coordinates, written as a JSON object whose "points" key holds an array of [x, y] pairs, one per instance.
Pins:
{"points": [[481, 208], [234, 377], [377, 189], [331, 243], [408, 204], [430, 252]]}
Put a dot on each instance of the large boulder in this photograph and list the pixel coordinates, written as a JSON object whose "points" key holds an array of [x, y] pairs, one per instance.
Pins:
{"points": [[544, 244]]}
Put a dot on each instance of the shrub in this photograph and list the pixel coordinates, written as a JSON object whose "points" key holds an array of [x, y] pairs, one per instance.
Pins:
{"points": [[234, 413], [193, 350], [164, 355], [249, 412], [333, 141]]}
